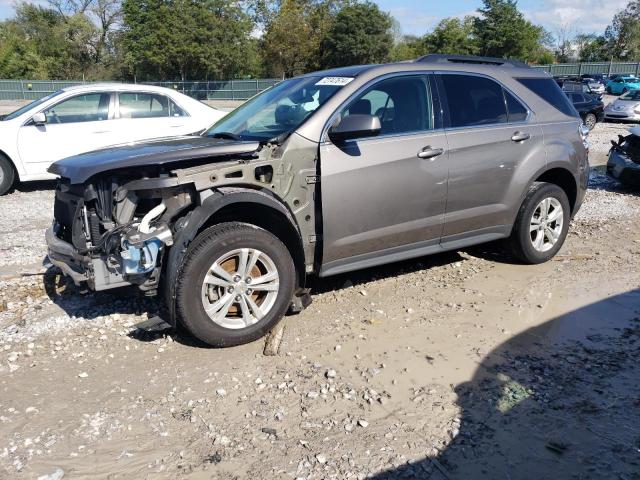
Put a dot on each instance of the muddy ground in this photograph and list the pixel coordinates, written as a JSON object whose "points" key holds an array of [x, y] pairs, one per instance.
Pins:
{"points": [[455, 366]]}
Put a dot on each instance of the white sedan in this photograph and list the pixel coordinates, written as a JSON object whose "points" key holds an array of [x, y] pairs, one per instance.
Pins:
{"points": [[90, 117]]}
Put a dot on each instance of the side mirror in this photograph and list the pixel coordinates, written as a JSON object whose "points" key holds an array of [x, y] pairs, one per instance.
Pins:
{"points": [[355, 126], [39, 119]]}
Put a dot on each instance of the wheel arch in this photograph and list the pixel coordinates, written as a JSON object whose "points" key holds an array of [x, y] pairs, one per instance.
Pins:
{"points": [[255, 207], [564, 179]]}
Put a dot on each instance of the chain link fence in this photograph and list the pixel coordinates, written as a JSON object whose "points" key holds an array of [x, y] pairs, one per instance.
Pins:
{"points": [[205, 90], [603, 68]]}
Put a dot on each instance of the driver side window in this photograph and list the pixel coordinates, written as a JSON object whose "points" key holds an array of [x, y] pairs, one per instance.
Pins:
{"points": [[91, 107], [403, 104]]}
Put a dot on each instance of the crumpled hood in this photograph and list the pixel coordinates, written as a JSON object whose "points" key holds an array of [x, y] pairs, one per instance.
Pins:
{"points": [[81, 167]]}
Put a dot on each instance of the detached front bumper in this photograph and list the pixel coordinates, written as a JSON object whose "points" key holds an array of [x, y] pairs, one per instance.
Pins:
{"points": [[65, 256], [623, 169]]}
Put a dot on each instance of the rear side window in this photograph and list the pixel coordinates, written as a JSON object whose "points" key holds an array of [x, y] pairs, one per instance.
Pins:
{"points": [[473, 100], [147, 105], [516, 111], [549, 91]]}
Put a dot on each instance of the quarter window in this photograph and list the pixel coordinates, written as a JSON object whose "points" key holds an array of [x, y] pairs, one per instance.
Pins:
{"points": [[403, 104], [549, 91], [147, 105], [474, 100], [515, 110], [91, 107]]}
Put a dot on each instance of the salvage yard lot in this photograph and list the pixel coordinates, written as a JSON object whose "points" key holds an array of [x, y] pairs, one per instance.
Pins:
{"points": [[460, 365]]}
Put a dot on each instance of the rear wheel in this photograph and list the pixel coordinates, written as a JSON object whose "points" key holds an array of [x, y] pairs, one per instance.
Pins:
{"points": [[624, 90], [541, 225], [590, 120], [236, 284], [7, 175], [608, 89]]}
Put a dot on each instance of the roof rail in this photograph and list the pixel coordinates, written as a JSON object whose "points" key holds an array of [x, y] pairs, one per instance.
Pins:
{"points": [[502, 62]]}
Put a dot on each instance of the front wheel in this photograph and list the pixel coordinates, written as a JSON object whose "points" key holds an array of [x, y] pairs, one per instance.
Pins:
{"points": [[237, 282], [541, 225], [590, 120], [608, 90]]}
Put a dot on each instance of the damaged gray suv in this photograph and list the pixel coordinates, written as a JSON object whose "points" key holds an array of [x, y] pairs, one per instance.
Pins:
{"points": [[324, 174]]}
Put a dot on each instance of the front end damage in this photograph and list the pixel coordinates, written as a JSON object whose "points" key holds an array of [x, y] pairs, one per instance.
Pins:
{"points": [[119, 227], [109, 235]]}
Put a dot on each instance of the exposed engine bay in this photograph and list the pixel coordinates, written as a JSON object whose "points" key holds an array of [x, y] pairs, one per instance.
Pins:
{"points": [[628, 145], [115, 228]]}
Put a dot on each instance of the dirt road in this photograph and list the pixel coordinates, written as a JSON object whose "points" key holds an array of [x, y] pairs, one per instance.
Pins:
{"points": [[461, 365]]}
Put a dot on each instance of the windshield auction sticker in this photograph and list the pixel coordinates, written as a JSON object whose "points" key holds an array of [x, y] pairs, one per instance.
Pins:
{"points": [[335, 81]]}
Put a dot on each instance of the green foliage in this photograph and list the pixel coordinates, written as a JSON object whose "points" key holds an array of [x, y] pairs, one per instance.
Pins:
{"points": [[623, 35], [502, 31], [452, 36], [186, 39], [594, 50], [360, 34], [408, 47]]}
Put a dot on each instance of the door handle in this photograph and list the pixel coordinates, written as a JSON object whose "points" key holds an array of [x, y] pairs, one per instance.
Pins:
{"points": [[520, 136], [428, 152]]}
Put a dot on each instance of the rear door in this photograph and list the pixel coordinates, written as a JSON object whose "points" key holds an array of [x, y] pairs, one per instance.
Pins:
{"points": [[145, 115], [74, 125], [489, 136], [383, 193]]}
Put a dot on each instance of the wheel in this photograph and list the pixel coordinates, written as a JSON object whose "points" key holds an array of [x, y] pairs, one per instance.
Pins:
{"points": [[7, 175], [590, 120], [624, 90], [608, 89], [541, 225], [236, 284]]}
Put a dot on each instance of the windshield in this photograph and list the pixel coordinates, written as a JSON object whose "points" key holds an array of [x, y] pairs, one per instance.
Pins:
{"points": [[279, 110], [631, 95], [31, 105]]}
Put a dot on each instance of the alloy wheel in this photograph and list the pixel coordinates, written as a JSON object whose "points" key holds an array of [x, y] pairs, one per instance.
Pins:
{"points": [[240, 288], [546, 224]]}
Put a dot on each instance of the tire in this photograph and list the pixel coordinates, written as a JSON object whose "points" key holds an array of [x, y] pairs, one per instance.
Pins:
{"points": [[608, 90], [590, 120], [229, 241], [522, 239], [624, 90], [7, 175]]}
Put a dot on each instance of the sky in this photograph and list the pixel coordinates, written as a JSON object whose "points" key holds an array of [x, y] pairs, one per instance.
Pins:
{"points": [[417, 17]]}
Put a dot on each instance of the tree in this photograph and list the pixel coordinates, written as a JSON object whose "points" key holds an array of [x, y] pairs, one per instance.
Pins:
{"points": [[288, 42], [502, 31], [623, 35], [452, 36], [360, 34], [185, 39], [592, 48], [407, 47]]}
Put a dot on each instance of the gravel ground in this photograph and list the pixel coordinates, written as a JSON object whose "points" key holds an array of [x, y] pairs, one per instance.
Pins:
{"points": [[461, 365]]}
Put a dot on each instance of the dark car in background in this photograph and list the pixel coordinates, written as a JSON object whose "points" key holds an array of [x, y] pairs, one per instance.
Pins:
{"points": [[624, 158], [590, 107]]}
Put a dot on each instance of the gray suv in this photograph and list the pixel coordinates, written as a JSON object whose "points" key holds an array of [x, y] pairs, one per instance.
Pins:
{"points": [[324, 174]]}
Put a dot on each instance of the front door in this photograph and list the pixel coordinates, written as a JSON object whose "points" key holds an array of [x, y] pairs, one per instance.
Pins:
{"points": [[384, 195], [74, 125]]}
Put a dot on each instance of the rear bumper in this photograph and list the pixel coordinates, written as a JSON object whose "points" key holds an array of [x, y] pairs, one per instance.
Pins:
{"points": [[64, 256], [623, 169]]}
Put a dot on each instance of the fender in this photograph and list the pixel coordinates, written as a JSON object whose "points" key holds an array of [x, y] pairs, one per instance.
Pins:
{"points": [[194, 221]]}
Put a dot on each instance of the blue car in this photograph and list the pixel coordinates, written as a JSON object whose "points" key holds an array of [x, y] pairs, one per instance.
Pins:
{"points": [[623, 84]]}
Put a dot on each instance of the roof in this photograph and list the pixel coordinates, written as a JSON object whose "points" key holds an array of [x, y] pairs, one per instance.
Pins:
{"points": [[109, 86]]}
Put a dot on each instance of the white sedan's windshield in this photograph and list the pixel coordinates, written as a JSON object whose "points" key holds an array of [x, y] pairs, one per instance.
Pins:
{"points": [[31, 105], [279, 110]]}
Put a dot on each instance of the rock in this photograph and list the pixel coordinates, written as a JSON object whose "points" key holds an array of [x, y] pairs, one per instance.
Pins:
{"points": [[29, 410], [321, 458], [221, 392], [312, 394], [330, 373], [363, 293], [83, 375], [363, 423], [57, 474], [13, 356]]}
